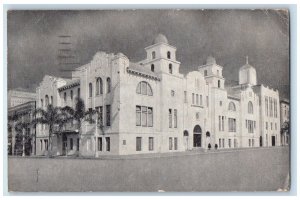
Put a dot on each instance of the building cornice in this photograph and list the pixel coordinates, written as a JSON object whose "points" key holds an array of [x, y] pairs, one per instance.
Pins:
{"points": [[138, 73], [153, 45], [65, 87], [156, 59]]}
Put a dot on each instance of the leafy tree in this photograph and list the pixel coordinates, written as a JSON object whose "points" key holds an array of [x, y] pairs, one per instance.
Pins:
{"points": [[285, 127], [21, 128]]}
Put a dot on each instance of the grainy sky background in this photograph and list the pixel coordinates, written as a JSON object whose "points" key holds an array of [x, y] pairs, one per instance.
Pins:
{"points": [[228, 35]]}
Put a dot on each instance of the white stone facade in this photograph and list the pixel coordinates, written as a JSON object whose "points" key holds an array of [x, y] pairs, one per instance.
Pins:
{"points": [[150, 107]]}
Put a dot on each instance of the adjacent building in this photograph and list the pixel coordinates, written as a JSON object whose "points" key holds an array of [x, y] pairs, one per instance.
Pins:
{"points": [[21, 133], [19, 96], [150, 107], [284, 121]]}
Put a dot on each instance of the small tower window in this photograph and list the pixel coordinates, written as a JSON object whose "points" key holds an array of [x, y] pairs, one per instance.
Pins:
{"points": [[152, 67], [205, 72], [219, 83], [170, 69], [169, 55], [153, 54]]}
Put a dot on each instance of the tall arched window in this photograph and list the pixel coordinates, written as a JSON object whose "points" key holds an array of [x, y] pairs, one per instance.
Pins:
{"points": [[169, 55], [153, 54], [250, 107], [65, 97], [205, 72], [99, 86], [231, 106], [90, 89], [46, 100], [219, 83], [152, 67], [71, 94], [170, 68], [78, 92], [108, 84], [144, 88]]}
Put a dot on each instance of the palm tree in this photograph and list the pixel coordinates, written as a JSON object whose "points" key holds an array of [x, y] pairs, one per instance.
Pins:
{"points": [[79, 114], [53, 116], [12, 120]]}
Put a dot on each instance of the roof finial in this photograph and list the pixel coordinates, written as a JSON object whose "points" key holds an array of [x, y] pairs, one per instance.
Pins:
{"points": [[246, 59]]}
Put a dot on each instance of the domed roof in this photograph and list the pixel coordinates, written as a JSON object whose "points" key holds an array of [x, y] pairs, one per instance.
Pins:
{"points": [[247, 65], [160, 38], [210, 60]]}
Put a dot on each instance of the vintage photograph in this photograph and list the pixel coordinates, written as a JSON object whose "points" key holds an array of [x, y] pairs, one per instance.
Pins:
{"points": [[161, 100]]}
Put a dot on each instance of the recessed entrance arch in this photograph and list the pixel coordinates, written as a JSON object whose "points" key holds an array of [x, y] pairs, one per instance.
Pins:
{"points": [[197, 136]]}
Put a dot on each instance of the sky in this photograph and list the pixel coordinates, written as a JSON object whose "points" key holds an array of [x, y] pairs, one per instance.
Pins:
{"points": [[228, 35]]}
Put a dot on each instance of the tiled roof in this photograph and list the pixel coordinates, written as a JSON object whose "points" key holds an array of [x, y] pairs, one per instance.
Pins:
{"points": [[70, 84], [141, 71]]}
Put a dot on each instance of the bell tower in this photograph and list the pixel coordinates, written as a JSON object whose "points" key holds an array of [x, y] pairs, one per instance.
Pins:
{"points": [[247, 74], [213, 72], [161, 57]]}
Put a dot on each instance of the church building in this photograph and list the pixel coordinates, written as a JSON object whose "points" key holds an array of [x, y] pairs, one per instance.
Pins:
{"points": [[150, 107]]}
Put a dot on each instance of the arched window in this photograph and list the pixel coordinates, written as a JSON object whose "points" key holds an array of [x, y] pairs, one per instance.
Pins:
{"points": [[219, 83], [185, 133], [170, 69], [78, 92], [153, 54], [108, 84], [169, 55], [152, 67], [99, 86], [71, 94], [46, 100], [65, 97], [231, 106], [144, 88], [90, 89], [250, 107], [205, 72]]}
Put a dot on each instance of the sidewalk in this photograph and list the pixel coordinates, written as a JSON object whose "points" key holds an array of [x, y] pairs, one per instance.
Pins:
{"points": [[158, 155]]}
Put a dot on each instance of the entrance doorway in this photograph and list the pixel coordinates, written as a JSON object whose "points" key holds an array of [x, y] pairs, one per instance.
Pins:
{"points": [[186, 139], [197, 136], [273, 140]]}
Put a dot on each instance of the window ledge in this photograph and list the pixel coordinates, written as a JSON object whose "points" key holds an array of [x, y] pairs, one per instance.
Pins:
{"points": [[199, 106]]}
